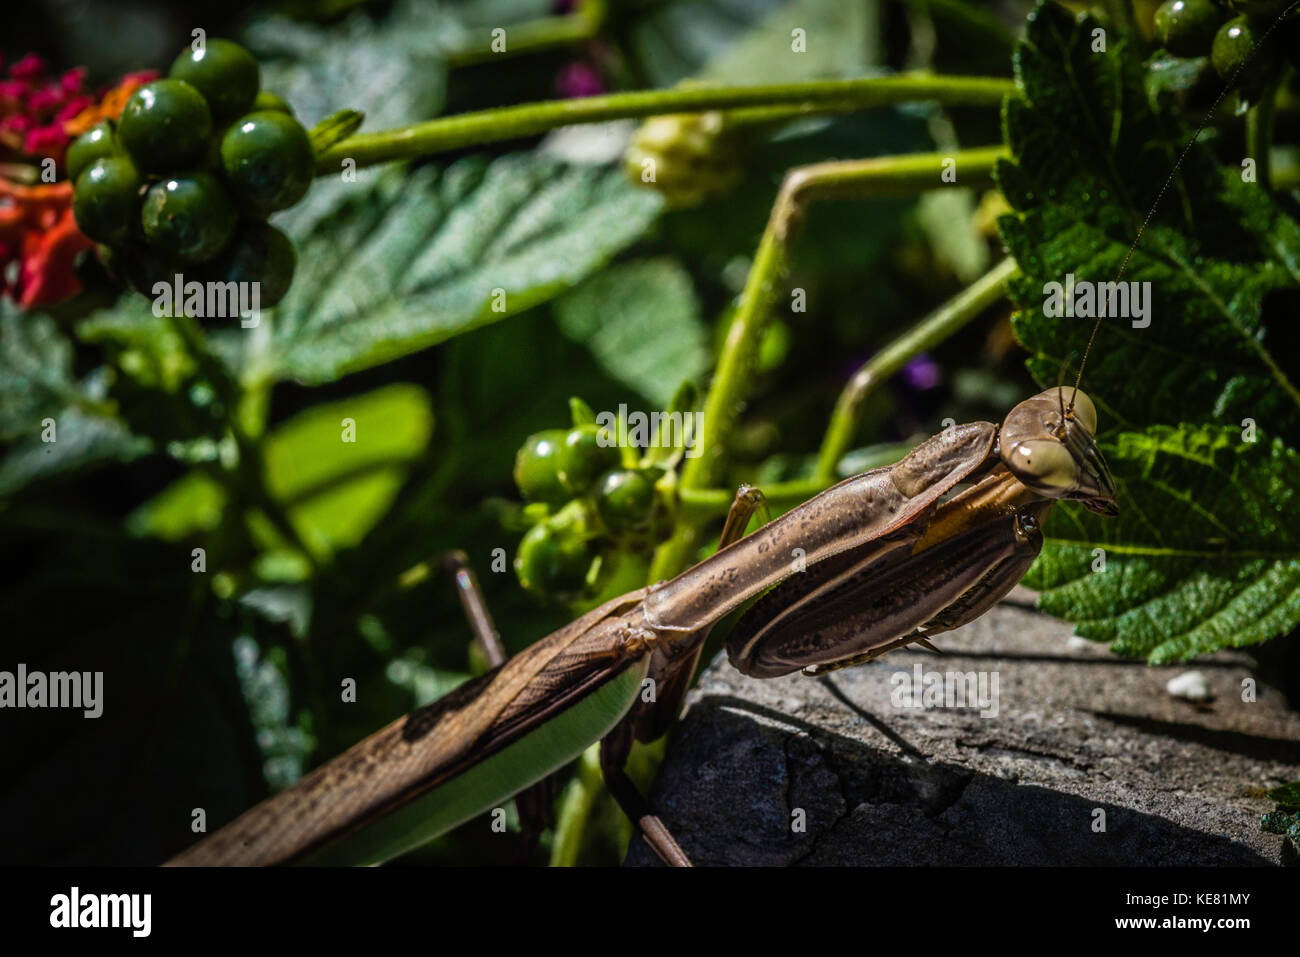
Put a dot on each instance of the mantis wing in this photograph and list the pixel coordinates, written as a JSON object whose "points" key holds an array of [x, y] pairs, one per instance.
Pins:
{"points": [[407, 782]]}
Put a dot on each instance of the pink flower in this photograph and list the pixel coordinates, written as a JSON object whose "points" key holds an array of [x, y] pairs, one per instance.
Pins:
{"points": [[73, 107], [71, 82], [44, 100], [577, 80], [46, 141], [17, 123], [12, 94], [28, 68]]}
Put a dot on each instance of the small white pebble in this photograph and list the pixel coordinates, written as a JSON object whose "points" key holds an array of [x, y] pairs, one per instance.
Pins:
{"points": [[1075, 643], [1190, 685]]}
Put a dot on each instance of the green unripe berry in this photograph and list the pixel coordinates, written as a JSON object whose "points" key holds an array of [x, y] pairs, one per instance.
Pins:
{"points": [[188, 216], [625, 498], [98, 142], [1187, 27], [144, 268], [1232, 49], [588, 451], [258, 253], [553, 560], [224, 72], [537, 468], [268, 161], [106, 200], [266, 100], [165, 125]]}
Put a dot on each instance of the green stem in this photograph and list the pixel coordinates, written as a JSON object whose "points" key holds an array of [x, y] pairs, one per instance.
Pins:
{"points": [[252, 465], [1259, 136], [534, 36], [513, 122], [935, 328], [575, 810], [879, 177]]}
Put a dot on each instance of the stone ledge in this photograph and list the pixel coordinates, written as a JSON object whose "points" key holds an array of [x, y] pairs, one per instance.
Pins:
{"points": [[1076, 730]]}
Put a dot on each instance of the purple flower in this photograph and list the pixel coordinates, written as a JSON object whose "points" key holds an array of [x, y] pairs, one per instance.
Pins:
{"points": [[922, 373]]}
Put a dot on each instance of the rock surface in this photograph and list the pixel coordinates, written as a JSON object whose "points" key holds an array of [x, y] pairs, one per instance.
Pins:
{"points": [[1076, 732]]}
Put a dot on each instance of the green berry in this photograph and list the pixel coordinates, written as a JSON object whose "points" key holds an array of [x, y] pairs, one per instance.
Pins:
{"points": [[224, 72], [588, 451], [106, 200], [266, 100], [553, 560], [259, 253], [188, 216], [144, 268], [1187, 27], [1232, 49], [537, 467], [268, 160], [625, 498], [165, 125], [98, 142]]}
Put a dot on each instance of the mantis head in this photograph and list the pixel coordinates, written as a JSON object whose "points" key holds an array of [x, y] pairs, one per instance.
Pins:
{"points": [[1047, 443]]}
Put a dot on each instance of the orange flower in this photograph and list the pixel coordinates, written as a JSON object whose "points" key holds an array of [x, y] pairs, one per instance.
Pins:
{"points": [[110, 105]]}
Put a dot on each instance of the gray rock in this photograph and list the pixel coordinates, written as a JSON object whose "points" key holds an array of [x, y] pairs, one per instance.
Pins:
{"points": [[1076, 732]]}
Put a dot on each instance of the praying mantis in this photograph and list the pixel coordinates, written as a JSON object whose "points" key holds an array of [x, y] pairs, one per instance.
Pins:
{"points": [[890, 557], [889, 561]]}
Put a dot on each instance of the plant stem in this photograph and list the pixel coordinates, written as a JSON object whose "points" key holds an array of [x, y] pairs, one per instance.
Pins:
{"points": [[513, 122], [878, 177], [1259, 136], [579, 799], [935, 328], [534, 36], [252, 465]]}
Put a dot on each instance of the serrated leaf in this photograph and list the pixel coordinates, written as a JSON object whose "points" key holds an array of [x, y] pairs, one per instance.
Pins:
{"points": [[641, 321], [412, 259], [37, 381], [37, 384], [392, 71], [1204, 555], [1091, 158]]}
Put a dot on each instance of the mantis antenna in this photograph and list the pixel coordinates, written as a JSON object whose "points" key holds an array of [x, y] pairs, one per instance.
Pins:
{"points": [[1232, 80]]}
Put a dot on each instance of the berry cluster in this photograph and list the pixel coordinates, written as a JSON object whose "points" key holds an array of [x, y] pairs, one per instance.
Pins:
{"points": [[189, 173], [588, 501], [1226, 32]]}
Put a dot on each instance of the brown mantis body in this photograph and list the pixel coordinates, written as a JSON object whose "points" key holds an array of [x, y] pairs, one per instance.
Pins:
{"points": [[883, 559]]}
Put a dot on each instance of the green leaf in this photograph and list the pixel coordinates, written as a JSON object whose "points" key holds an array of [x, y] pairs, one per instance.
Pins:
{"points": [[841, 39], [334, 129], [37, 380], [334, 468], [721, 41], [641, 321], [337, 466], [413, 258], [1091, 157], [392, 71], [57, 424], [1204, 555]]}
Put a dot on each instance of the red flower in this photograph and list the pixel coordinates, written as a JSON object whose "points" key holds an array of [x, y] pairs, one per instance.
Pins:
{"points": [[38, 230]]}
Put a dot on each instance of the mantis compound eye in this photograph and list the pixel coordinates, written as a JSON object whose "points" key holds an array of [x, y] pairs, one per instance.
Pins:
{"points": [[1045, 465], [1047, 443]]}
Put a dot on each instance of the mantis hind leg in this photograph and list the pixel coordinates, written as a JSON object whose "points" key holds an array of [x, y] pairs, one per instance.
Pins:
{"points": [[534, 803]]}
